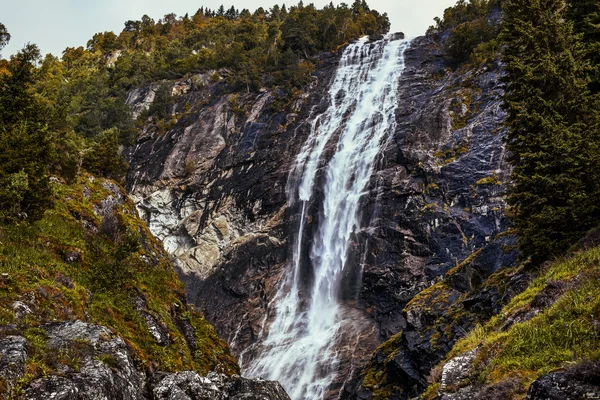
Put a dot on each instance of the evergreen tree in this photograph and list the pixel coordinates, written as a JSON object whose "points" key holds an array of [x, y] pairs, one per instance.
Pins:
{"points": [[4, 36], [25, 151], [555, 157], [585, 15]]}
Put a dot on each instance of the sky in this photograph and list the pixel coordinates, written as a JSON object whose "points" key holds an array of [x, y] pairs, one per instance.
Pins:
{"points": [[56, 24]]}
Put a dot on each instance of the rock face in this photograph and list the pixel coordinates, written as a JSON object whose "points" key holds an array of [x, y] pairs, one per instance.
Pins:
{"points": [[579, 382], [13, 355], [105, 370], [213, 188], [190, 386], [106, 367]]}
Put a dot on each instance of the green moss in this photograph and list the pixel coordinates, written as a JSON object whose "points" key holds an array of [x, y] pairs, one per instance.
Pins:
{"points": [[489, 180], [430, 208], [563, 334], [466, 99], [465, 262], [450, 155], [431, 393], [375, 377], [431, 297], [115, 267], [431, 189]]}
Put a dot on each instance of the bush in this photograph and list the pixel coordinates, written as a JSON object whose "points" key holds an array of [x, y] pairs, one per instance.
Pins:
{"points": [[468, 36], [102, 156]]}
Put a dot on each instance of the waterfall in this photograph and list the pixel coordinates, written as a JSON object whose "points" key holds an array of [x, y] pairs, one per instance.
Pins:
{"points": [[299, 347]]}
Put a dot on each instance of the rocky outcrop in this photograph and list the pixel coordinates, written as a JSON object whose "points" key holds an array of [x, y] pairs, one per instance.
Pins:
{"points": [[105, 368], [13, 355], [91, 362], [213, 188], [97, 311], [579, 382], [191, 386]]}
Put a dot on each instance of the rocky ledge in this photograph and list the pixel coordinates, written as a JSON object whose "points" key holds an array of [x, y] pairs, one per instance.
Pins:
{"points": [[102, 367]]}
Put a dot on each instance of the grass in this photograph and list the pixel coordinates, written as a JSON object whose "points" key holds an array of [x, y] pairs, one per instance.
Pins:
{"points": [[559, 336], [110, 270]]}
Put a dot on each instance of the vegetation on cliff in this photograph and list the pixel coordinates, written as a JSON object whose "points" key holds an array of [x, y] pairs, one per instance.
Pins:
{"points": [[468, 31], [553, 324], [59, 114], [549, 51], [91, 258], [553, 121]]}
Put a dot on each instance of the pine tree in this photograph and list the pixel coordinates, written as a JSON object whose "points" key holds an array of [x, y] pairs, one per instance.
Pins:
{"points": [[25, 151], [585, 15], [4, 36], [554, 155]]}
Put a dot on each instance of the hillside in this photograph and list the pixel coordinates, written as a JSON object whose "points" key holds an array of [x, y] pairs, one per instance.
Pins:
{"points": [[297, 195], [90, 303]]}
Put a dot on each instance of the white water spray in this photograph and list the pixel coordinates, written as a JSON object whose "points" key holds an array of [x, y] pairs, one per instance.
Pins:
{"points": [[299, 349]]}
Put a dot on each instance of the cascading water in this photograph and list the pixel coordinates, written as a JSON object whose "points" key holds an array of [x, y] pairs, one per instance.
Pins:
{"points": [[299, 348]]}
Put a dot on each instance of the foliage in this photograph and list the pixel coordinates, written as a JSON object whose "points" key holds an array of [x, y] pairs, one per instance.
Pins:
{"points": [[84, 261], [25, 150], [4, 36], [76, 106], [553, 128], [102, 157], [585, 15], [471, 31], [563, 334]]}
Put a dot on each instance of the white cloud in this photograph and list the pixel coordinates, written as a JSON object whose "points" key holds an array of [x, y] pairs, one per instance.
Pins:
{"points": [[69, 23]]}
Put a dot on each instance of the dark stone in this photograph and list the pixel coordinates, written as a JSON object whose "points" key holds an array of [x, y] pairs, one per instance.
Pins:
{"points": [[578, 383], [72, 256], [65, 281], [398, 36], [375, 37]]}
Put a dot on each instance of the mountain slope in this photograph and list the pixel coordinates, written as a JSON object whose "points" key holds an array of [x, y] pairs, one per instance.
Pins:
{"points": [[544, 342], [90, 304]]}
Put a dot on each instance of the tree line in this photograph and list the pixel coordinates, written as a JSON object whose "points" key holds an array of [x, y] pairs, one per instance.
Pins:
{"points": [[550, 54], [59, 115]]}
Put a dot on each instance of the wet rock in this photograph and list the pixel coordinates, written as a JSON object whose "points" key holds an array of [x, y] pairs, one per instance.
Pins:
{"points": [[398, 36], [191, 386]]}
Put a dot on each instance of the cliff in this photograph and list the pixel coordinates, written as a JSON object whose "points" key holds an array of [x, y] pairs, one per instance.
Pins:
{"points": [[213, 188], [90, 307]]}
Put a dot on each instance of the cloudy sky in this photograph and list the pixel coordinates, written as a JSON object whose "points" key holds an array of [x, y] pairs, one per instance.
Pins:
{"points": [[56, 24]]}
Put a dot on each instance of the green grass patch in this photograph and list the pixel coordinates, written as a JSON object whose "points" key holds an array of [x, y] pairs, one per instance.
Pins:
{"points": [[563, 334]]}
